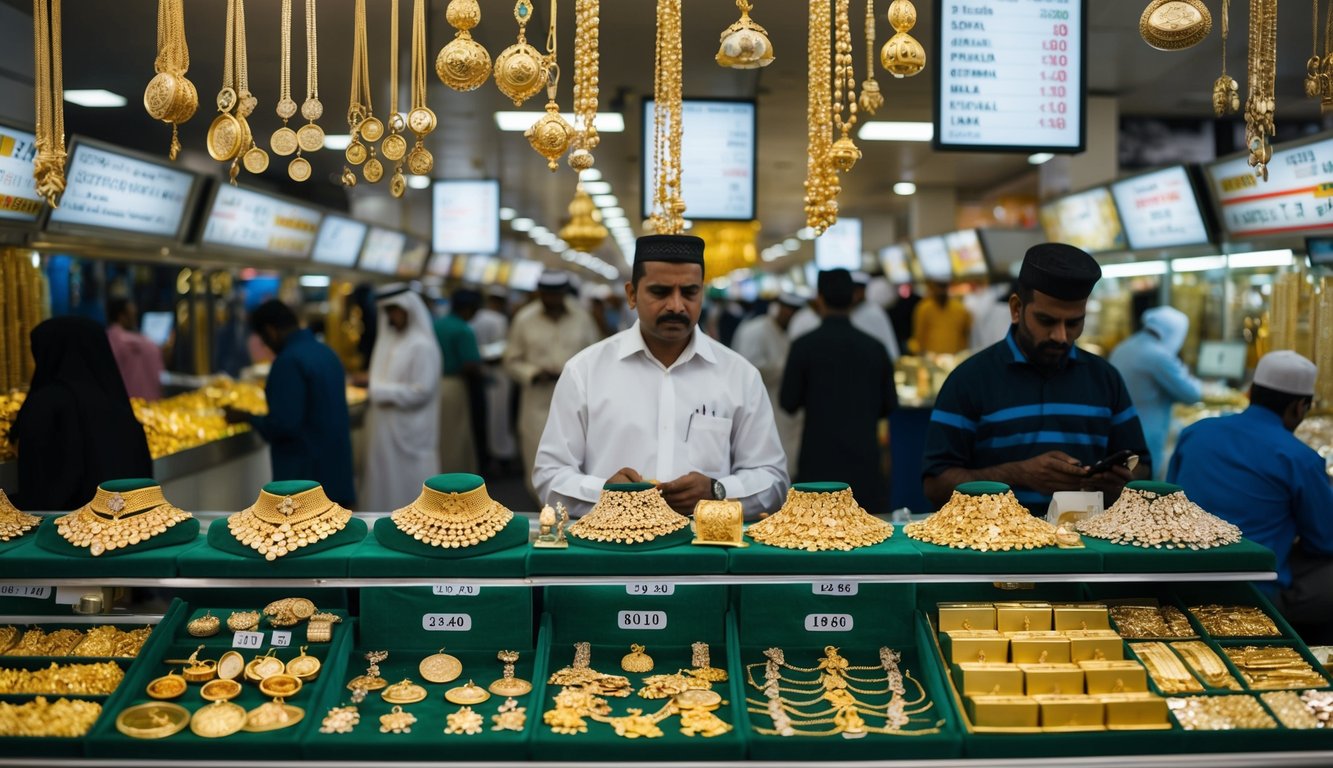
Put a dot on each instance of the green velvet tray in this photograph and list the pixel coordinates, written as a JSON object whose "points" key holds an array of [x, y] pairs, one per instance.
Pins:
{"points": [[776, 615], [391, 553], [587, 561], [894, 555], [30, 560], [1244, 555], [500, 617], [208, 560], [105, 741], [938, 559]]}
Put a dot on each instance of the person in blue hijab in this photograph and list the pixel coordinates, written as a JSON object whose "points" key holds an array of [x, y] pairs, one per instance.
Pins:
{"points": [[1150, 363]]}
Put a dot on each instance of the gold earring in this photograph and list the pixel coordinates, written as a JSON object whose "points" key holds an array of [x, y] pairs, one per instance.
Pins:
{"points": [[636, 660]]}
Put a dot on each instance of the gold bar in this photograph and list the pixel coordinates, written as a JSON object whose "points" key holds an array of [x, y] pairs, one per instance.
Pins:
{"points": [[1045, 679], [1071, 712], [975, 645], [966, 616], [1102, 677], [1078, 617], [1135, 710], [1039, 648], [1023, 617], [1002, 711], [974, 679], [1095, 645]]}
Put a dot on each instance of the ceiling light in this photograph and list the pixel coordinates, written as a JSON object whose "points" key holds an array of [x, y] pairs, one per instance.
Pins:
{"points": [[507, 214], [1039, 158], [597, 187], [95, 97], [1134, 269], [1260, 259], [880, 130], [904, 188], [605, 122], [806, 233], [418, 182], [592, 174], [522, 225], [614, 212], [605, 201], [1198, 264], [791, 244], [337, 141]]}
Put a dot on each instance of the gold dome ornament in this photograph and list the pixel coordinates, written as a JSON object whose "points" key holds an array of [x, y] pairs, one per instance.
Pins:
{"points": [[463, 64], [551, 135], [204, 626], [636, 660], [585, 230], [520, 69], [508, 685], [170, 96], [467, 694], [1173, 25], [744, 44], [902, 55]]}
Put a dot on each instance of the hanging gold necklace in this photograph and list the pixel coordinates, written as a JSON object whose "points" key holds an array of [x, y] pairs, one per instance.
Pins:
{"points": [[170, 96], [283, 140], [820, 180], [463, 64], [1261, 103], [1226, 92], [587, 20], [1313, 66], [48, 168], [668, 206], [1326, 68], [229, 134], [253, 157], [394, 146], [361, 120], [551, 135], [421, 120], [843, 153], [520, 70], [310, 137], [871, 98]]}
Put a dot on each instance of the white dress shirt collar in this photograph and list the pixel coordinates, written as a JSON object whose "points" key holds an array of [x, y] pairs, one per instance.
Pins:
{"points": [[631, 341]]}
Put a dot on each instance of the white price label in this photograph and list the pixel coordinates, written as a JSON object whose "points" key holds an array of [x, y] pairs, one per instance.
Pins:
{"points": [[446, 622], [828, 622], [456, 590], [838, 588], [37, 593], [281, 638], [641, 619], [248, 640], [650, 588]]}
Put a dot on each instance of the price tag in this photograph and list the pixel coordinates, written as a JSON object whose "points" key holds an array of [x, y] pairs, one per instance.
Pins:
{"points": [[836, 588], [36, 593], [650, 588], [248, 640], [641, 620], [828, 622], [446, 622], [281, 638], [456, 590]]}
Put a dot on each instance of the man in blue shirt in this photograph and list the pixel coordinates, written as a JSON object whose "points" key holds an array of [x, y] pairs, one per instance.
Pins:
{"points": [[1157, 379], [1033, 411], [307, 426], [1251, 470]]}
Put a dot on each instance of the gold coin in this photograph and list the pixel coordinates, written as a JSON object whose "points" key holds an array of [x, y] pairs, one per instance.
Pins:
{"points": [[699, 698], [397, 184], [283, 141], [220, 690], [371, 129], [394, 147], [310, 137], [280, 686], [255, 160], [421, 120], [155, 720], [356, 152], [440, 668], [312, 109], [168, 687], [304, 667], [218, 720], [231, 665], [271, 716], [299, 169], [160, 95], [224, 138], [420, 161], [374, 170], [302, 608]]}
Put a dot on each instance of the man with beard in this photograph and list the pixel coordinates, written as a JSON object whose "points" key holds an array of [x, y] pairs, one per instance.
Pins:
{"points": [[662, 401], [1032, 410]]}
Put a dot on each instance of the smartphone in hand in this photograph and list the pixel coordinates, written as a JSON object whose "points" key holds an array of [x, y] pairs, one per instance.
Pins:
{"points": [[1124, 458]]}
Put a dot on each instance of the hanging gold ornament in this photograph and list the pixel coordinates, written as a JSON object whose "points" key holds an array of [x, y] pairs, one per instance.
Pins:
{"points": [[283, 141], [871, 98], [1173, 25], [1326, 67], [585, 231], [551, 135], [587, 22], [309, 137], [1261, 101], [1314, 65], [843, 154], [1226, 91], [170, 96], [520, 69], [362, 124], [821, 179], [668, 214], [463, 64], [421, 120], [744, 44], [48, 167], [394, 146], [902, 56]]}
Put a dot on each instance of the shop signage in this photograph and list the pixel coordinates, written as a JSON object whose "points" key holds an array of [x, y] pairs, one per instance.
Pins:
{"points": [[240, 218], [1159, 209], [1298, 196], [840, 246], [382, 250], [1085, 220], [932, 253], [19, 200], [112, 191]]}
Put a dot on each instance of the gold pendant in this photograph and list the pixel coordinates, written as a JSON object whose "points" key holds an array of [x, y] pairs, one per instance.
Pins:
{"points": [[160, 95], [312, 109], [226, 100], [394, 147], [440, 667], [405, 692], [280, 686], [286, 108], [1173, 25], [170, 686], [420, 161], [204, 626], [185, 103], [255, 160], [231, 665], [744, 45], [220, 690], [465, 721], [224, 137], [373, 170], [520, 72], [304, 667], [347, 178], [284, 141], [241, 621], [397, 721], [397, 183], [356, 152], [371, 129], [154, 720], [551, 135], [310, 138], [902, 55], [272, 716], [421, 120], [463, 64]]}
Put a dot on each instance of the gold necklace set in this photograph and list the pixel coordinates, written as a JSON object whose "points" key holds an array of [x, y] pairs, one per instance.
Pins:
{"points": [[452, 520], [668, 214], [170, 96], [628, 517], [229, 137], [587, 20], [14, 523], [834, 686], [275, 526], [818, 522], [117, 520]]}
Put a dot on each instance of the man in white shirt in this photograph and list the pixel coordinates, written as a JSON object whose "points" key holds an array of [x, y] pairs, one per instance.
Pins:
{"points": [[662, 401], [870, 318]]}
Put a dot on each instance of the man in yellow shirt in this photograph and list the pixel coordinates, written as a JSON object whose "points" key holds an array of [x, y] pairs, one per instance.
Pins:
{"points": [[940, 324]]}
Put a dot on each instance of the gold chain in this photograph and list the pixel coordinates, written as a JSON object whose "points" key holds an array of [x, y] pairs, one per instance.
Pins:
{"points": [[871, 99], [586, 64], [285, 82], [668, 206], [48, 168], [820, 183], [418, 54], [311, 53], [844, 81], [1261, 102]]}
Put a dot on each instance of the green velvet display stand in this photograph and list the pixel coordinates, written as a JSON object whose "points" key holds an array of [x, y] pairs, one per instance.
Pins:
{"points": [[390, 537], [105, 741], [681, 559], [938, 559], [372, 558], [183, 532], [498, 617], [893, 555], [1244, 555]]}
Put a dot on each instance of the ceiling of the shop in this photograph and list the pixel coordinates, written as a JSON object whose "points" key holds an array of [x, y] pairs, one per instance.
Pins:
{"points": [[112, 45]]}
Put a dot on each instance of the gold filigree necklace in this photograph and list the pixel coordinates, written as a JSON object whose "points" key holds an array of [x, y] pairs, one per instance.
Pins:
{"points": [[275, 526], [117, 520], [452, 520]]}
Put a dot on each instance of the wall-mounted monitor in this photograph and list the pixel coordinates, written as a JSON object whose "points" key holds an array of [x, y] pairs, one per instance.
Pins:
{"points": [[1084, 220], [1159, 209], [1011, 76], [382, 251], [718, 146], [465, 216], [245, 220], [413, 259], [1221, 360], [19, 202], [965, 254], [339, 241], [840, 246], [116, 192], [893, 260], [1297, 198], [932, 254]]}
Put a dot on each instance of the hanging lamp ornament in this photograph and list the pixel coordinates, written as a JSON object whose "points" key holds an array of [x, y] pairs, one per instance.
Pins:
{"points": [[309, 137], [744, 44], [551, 135], [902, 56], [1226, 91], [1173, 25], [48, 168], [585, 230], [587, 62], [871, 98], [668, 215], [520, 69], [843, 154], [170, 96], [421, 120], [463, 64]]}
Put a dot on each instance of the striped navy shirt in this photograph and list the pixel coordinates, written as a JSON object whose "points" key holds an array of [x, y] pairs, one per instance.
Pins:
{"points": [[996, 407]]}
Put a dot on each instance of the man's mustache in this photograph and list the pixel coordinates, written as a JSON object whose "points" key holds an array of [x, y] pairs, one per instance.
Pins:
{"points": [[673, 318]]}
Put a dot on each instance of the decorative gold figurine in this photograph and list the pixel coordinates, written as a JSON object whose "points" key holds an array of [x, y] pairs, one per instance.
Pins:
{"points": [[551, 523], [585, 231], [440, 667], [701, 660], [508, 685], [371, 680], [744, 44], [636, 660], [902, 55], [509, 717], [464, 63]]}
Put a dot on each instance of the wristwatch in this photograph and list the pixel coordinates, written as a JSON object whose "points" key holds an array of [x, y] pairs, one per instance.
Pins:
{"points": [[719, 491]]}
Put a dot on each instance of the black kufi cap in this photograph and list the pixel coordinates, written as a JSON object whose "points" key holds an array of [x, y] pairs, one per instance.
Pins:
{"points": [[675, 249], [835, 288], [1060, 271]]}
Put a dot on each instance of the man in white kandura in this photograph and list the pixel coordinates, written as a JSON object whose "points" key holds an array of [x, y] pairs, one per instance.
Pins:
{"points": [[662, 401], [404, 403]]}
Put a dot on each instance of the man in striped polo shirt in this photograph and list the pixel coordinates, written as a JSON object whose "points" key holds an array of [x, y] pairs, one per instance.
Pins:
{"points": [[1032, 410]]}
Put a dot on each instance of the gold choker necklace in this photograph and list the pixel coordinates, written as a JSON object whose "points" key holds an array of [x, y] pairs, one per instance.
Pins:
{"points": [[628, 517], [278, 525], [14, 523], [118, 520], [452, 520]]}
